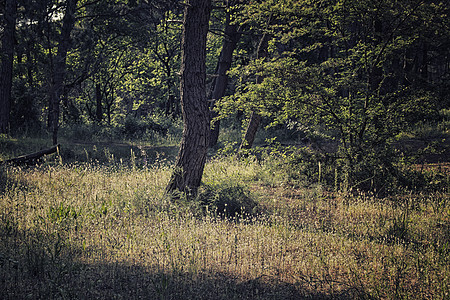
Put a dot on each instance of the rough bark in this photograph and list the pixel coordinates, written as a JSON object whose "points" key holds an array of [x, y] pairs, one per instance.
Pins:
{"points": [[194, 145], [59, 70], [7, 64], [255, 118]]}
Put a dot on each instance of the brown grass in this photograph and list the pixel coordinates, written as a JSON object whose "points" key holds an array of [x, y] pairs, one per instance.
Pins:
{"points": [[86, 232]]}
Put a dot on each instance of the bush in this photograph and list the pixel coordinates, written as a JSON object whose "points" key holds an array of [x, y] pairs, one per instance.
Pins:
{"points": [[374, 171], [296, 166], [6, 146], [424, 180], [135, 128], [80, 132], [308, 166], [227, 200], [151, 128]]}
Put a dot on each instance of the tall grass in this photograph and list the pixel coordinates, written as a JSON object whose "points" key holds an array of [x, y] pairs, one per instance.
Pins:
{"points": [[94, 232]]}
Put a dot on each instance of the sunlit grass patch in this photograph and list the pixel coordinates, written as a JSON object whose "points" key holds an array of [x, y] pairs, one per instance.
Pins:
{"points": [[92, 231]]}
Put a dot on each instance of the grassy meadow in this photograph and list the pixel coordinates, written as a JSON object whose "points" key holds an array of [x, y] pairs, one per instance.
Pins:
{"points": [[105, 230]]}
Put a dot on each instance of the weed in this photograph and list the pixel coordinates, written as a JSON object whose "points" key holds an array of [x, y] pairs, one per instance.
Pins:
{"points": [[89, 230]]}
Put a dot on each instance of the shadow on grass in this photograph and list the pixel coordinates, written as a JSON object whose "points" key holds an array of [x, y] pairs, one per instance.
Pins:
{"points": [[122, 281], [116, 152], [97, 152], [34, 265]]}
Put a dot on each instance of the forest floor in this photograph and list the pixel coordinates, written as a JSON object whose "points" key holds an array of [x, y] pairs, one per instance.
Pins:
{"points": [[102, 228]]}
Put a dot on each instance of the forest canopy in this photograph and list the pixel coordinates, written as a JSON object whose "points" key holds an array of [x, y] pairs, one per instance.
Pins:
{"points": [[354, 73], [313, 145]]}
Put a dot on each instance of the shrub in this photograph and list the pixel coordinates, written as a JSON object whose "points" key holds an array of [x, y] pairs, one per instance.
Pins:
{"points": [[374, 171], [228, 200], [138, 128]]}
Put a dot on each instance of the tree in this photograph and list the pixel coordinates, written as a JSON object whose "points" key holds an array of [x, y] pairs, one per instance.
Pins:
{"points": [[125, 61], [165, 53], [255, 117], [194, 145], [258, 24], [59, 68], [34, 29], [334, 68], [62, 73], [220, 82], [7, 56]]}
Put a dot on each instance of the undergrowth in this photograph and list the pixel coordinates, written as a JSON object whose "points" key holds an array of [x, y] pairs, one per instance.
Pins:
{"points": [[89, 230]]}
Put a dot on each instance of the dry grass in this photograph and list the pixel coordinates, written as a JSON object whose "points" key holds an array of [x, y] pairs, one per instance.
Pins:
{"points": [[86, 232]]}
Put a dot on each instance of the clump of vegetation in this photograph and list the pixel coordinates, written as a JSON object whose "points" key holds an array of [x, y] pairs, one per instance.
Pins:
{"points": [[99, 231], [346, 195], [228, 200]]}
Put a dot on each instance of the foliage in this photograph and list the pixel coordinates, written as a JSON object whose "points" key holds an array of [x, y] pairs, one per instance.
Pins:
{"points": [[359, 74], [135, 128], [359, 91], [122, 62], [332, 66]]}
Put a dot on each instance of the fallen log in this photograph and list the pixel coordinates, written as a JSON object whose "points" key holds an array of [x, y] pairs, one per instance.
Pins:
{"points": [[31, 157]]}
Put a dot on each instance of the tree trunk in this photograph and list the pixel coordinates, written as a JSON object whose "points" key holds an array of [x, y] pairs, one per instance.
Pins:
{"points": [[424, 63], [7, 64], [99, 103], [376, 73], [250, 132], [194, 145], [30, 64], [221, 81], [255, 118], [60, 68], [31, 157]]}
